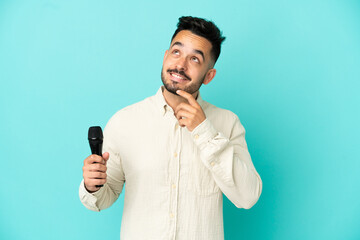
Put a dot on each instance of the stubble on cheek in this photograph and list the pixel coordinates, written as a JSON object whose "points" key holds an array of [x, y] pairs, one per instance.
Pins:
{"points": [[169, 85]]}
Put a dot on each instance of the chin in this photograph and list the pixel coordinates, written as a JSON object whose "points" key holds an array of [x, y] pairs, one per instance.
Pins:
{"points": [[171, 88]]}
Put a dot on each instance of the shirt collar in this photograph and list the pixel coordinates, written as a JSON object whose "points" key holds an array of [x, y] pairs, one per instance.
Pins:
{"points": [[164, 107]]}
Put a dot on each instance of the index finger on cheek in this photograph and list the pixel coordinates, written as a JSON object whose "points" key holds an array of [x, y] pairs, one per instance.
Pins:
{"points": [[183, 94]]}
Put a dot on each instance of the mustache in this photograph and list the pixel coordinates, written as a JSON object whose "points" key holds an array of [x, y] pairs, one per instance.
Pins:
{"points": [[179, 72]]}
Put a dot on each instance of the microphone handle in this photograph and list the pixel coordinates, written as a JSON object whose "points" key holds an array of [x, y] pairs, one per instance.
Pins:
{"points": [[96, 149]]}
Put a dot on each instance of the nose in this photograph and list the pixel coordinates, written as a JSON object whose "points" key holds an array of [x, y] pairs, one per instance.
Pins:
{"points": [[181, 64]]}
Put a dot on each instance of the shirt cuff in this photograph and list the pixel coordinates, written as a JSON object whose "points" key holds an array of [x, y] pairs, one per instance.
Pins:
{"points": [[210, 143], [89, 199], [203, 133]]}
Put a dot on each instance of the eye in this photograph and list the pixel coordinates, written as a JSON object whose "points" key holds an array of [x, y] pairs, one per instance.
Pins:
{"points": [[195, 59], [176, 52]]}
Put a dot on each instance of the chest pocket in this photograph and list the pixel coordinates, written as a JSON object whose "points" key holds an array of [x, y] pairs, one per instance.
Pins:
{"points": [[200, 179]]}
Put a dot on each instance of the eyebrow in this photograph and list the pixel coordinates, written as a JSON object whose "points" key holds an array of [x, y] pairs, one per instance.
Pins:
{"points": [[195, 50]]}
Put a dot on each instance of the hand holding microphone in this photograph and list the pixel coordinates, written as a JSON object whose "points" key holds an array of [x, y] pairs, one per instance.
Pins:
{"points": [[94, 169]]}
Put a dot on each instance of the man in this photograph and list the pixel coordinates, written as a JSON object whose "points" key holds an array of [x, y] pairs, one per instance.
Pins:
{"points": [[176, 153]]}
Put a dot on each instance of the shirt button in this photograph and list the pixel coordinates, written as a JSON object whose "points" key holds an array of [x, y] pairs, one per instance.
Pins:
{"points": [[176, 126], [173, 186], [212, 163], [196, 136], [171, 215], [175, 155]]}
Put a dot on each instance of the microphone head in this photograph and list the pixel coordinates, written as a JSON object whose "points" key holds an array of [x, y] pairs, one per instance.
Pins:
{"points": [[95, 133]]}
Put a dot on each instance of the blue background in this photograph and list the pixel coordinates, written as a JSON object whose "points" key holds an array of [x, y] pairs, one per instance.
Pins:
{"points": [[289, 69]]}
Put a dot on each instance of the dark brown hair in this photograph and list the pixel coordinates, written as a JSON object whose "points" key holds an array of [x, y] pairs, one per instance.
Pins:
{"points": [[202, 28]]}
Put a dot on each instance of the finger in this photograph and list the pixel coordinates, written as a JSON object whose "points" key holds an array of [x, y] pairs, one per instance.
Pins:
{"points": [[188, 96], [185, 106], [97, 167], [93, 159], [95, 182], [182, 113], [106, 156], [184, 122], [96, 175]]}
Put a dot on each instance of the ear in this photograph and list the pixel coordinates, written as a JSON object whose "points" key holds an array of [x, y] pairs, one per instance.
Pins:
{"points": [[209, 76], [166, 52]]}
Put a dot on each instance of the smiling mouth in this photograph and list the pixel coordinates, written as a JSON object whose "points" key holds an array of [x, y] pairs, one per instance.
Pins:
{"points": [[178, 76]]}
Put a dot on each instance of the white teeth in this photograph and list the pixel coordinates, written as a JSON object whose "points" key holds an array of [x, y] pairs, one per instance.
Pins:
{"points": [[177, 76]]}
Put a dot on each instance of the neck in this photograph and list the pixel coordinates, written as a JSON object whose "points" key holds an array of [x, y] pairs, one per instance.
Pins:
{"points": [[174, 100]]}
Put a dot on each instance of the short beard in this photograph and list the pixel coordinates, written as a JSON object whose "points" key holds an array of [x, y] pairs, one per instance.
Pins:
{"points": [[172, 86]]}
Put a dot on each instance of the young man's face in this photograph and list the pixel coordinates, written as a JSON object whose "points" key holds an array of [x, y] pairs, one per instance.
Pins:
{"points": [[188, 63]]}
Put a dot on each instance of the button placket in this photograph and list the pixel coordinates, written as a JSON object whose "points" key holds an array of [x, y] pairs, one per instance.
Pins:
{"points": [[175, 178]]}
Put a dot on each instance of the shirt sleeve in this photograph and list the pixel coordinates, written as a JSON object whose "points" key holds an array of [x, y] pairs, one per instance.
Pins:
{"points": [[230, 163], [109, 193]]}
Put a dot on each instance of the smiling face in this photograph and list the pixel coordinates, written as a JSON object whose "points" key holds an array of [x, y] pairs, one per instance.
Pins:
{"points": [[187, 63]]}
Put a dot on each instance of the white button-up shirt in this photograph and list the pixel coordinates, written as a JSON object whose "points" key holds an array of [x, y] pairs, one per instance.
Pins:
{"points": [[174, 179]]}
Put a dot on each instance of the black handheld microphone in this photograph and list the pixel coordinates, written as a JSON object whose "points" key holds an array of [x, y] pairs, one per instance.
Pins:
{"points": [[95, 137]]}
